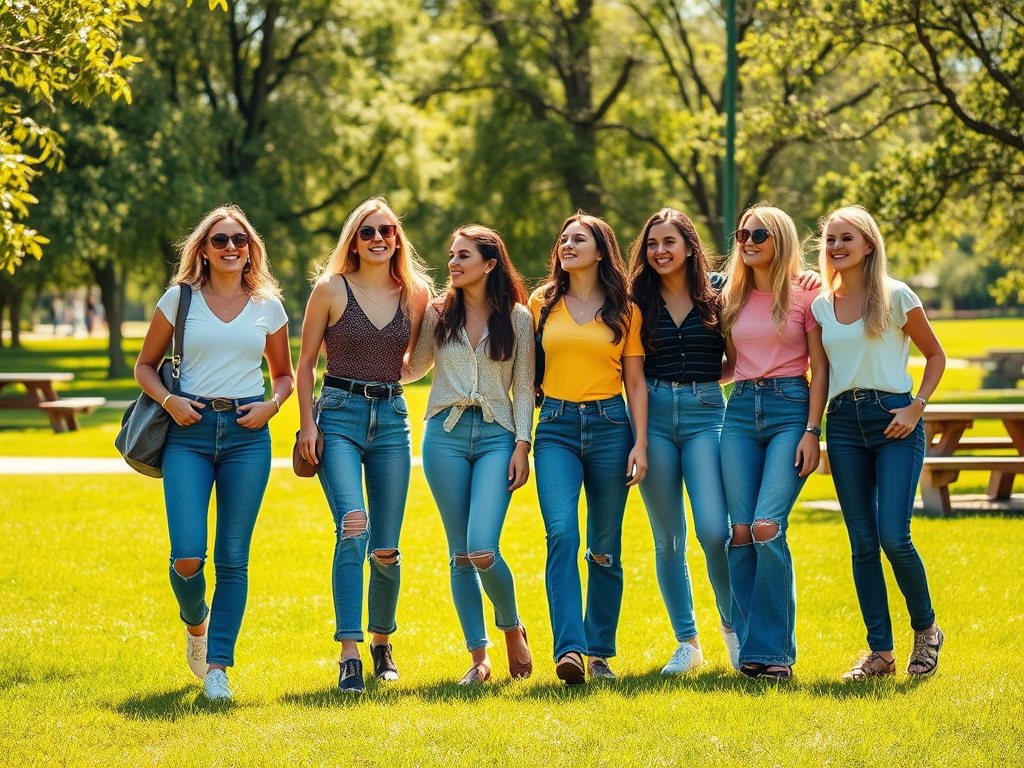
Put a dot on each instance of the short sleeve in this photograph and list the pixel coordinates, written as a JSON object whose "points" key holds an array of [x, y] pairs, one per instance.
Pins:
{"points": [[634, 345], [168, 303], [536, 302], [902, 299], [810, 321], [818, 308], [277, 318]]}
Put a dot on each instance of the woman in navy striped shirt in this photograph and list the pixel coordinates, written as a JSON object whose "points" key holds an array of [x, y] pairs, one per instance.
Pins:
{"points": [[670, 282]]}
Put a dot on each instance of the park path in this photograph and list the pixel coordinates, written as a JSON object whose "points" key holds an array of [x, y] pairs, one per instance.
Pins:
{"points": [[60, 465]]}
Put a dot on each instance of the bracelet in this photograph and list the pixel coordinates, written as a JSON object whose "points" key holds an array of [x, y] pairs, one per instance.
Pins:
{"points": [[277, 402], [922, 400], [164, 402]]}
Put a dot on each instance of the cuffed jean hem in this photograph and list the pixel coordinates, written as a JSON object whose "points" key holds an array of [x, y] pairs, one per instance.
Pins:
{"points": [[518, 622], [222, 661], [781, 661], [356, 635], [682, 638], [380, 631], [925, 625], [485, 643], [207, 613]]}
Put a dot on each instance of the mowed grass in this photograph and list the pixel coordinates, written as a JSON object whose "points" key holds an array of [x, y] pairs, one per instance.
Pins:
{"points": [[92, 670]]}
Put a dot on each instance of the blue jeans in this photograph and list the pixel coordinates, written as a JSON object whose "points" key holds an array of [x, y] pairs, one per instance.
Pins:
{"points": [[876, 479], [583, 445], [467, 470], [368, 435], [684, 427], [214, 451], [764, 423]]}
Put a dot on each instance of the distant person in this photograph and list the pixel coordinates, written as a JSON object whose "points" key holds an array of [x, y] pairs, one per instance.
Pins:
{"points": [[219, 437], [90, 315], [770, 436], [479, 336], [590, 339], [876, 439], [365, 309]]}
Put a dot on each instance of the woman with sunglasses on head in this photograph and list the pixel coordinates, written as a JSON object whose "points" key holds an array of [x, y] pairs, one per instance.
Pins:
{"points": [[219, 435], [769, 441], [366, 306], [876, 440], [679, 300], [479, 336], [590, 338]]}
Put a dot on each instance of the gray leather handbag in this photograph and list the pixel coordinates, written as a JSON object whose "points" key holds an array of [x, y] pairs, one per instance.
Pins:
{"points": [[145, 423]]}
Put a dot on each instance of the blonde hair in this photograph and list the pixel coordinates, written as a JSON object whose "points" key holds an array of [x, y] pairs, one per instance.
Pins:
{"points": [[785, 267], [192, 269], [406, 266], [876, 307]]}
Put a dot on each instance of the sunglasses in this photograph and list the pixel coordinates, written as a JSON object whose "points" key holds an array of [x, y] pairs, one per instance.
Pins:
{"points": [[387, 231], [220, 241], [758, 236]]}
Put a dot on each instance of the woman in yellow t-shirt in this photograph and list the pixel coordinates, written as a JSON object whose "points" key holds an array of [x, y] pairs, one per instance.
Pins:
{"points": [[590, 344]]}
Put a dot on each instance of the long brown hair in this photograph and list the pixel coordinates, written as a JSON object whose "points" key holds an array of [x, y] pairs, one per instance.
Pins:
{"points": [[256, 278], [611, 273], [645, 284], [406, 267], [505, 289]]}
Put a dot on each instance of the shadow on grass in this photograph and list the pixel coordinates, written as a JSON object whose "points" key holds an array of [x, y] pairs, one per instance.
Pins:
{"points": [[171, 705]]}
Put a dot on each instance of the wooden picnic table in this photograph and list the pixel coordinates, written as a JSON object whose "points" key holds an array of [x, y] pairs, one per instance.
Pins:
{"points": [[41, 395], [945, 425], [1004, 367]]}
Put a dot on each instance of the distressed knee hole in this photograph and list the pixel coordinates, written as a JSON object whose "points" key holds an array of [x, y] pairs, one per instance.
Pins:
{"points": [[353, 524], [461, 560], [386, 557], [605, 560], [740, 536], [482, 560], [765, 530], [187, 567]]}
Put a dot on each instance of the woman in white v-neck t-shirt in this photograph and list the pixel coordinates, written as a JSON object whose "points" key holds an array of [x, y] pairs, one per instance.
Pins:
{"points": [[219, 435]]}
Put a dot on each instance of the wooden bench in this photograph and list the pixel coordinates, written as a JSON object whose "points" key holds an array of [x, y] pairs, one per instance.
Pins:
{"points": [[63, 412], [939, 471], [966, 443]]}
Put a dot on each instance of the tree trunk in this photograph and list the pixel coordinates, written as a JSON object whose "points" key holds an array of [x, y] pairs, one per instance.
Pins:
{"points": [[3, 303], [581, 172], [16, 296], [112, 294]]}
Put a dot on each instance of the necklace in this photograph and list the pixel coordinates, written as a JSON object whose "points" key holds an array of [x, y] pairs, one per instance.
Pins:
{"points": [[363, 291], [227, 309]]}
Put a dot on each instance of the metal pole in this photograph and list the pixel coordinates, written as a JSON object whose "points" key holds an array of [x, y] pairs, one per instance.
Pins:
{"points": [[729, 97]]}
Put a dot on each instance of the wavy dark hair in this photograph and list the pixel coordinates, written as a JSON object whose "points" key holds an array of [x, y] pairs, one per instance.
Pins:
{"points": [[505, 289], [611, 273], [645, 284]]}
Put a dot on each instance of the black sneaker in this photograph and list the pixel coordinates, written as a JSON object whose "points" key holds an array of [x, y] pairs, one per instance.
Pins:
{"points": [[351, 677], [383, 665]]}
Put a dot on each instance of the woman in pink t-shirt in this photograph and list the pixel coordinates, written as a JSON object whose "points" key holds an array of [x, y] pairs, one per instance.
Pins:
{"points": [[769, 440]]}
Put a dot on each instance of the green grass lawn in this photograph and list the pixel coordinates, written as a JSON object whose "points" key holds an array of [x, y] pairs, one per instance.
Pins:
{"points": [[91, 651]]}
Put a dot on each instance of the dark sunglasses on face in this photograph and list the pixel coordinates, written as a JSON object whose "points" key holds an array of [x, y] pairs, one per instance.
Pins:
{"points": [[387, 231], [758, 235], [220, 241]]}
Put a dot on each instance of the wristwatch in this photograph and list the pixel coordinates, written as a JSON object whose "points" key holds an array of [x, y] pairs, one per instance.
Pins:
{"points": [[922, 400], [816, 431]]}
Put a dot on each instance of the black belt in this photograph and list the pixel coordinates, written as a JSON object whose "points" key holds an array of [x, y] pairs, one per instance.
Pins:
{"points": [[368, 390]]}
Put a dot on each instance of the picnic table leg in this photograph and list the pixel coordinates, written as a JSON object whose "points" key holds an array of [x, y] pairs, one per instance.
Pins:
{"points": [[942, 438], [43, 393], [935, 492], [1000, 484]]}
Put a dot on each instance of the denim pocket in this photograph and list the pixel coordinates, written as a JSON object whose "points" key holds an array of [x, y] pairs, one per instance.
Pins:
{"points": [[547, 413], [833, 405], [711, 397], [616, 414], [332, 399], [400, 406], [896, 400], [795, 393]]}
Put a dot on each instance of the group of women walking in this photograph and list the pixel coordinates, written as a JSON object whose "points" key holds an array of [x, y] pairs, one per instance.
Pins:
{"points": [[666, 330]]}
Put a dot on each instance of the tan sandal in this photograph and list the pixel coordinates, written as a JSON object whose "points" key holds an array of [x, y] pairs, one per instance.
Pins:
{"points": [[478, 673], [870, 665], [519, 669], [924, 659]]}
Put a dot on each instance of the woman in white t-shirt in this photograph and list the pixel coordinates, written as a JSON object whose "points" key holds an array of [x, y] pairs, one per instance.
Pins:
{"points": [[219, 433], [876, 441]]}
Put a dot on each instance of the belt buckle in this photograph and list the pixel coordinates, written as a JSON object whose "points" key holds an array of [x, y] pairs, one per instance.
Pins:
{"points": [[222, 404], [376, 391]]}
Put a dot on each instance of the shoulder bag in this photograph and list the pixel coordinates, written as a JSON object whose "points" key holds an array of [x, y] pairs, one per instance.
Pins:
{"points": [[538, 371], [145, 423]]}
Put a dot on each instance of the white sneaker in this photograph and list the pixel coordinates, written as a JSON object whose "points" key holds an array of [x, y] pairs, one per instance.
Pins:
{"points": [[732, 645], [215, 686], [684, 659], [195, 652]]}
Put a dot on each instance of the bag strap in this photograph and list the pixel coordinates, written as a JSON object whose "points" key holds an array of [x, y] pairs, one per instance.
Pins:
{"points": [[178, 344], [538, 337]]}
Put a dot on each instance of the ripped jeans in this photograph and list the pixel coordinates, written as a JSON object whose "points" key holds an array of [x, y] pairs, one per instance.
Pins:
{"points": [[467, 470], [214, 453], [583, 445], [365, 436], [764, 423]]}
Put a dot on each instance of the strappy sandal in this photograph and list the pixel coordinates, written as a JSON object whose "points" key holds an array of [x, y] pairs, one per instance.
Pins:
{"points": [[752, 669], [777, 673], [870, 665], [569, 668], [924, 659], [599, 668], [519, 670], [478, 673]]}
